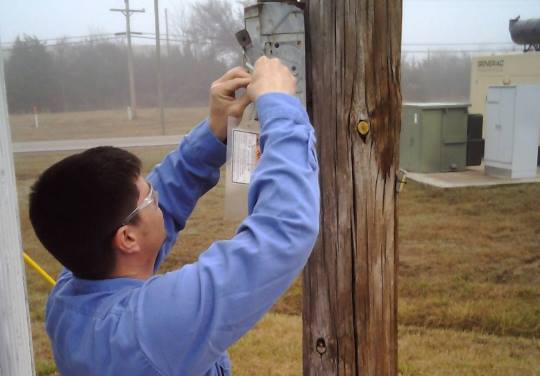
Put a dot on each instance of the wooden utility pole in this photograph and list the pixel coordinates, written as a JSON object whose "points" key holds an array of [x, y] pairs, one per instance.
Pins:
{"points": [[350, 283], [158, 67], [127, 13], [15, 336]]}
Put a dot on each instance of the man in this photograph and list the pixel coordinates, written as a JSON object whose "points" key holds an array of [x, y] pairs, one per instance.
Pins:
{"points": [[111, 229]]}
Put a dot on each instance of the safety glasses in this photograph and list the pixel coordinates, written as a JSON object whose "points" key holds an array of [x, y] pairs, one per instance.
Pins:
{"points": [[152, 197]]}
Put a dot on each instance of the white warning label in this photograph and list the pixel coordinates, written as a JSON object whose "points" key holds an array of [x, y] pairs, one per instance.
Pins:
{"points": [[245, 154]]}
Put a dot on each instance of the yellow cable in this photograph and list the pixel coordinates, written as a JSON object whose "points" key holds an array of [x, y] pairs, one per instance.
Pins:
{"points": [[38, 268]]}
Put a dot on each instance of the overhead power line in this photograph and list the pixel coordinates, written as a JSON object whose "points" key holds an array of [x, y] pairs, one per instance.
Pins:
{"points": [[459, 51], [188, 38], [62, 38], [83, 42], [458, 44], [407, 48]]}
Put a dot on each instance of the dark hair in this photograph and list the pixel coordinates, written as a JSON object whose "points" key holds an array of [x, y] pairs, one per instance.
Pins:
{"points": [[77, 205]]}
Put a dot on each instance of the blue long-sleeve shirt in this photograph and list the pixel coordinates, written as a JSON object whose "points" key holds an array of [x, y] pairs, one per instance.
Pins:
{"points": [[182, 322]]}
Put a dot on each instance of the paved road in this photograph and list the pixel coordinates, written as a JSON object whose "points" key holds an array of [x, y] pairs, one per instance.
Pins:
{"points": [[123, 142]]}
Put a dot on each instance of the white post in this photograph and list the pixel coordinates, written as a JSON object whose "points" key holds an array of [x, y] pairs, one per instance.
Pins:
{"points": [[15, 334], [36, 119]]}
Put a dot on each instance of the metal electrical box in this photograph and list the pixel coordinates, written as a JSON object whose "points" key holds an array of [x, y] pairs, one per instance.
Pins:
{"points": [[433, 137], [272, 29], [276, 29], [512, 131]]}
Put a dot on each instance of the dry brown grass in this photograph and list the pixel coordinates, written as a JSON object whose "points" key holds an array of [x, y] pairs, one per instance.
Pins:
{"points": [[469, 287], [274, 347], [445, 352], [470, 259], [103, 124]]}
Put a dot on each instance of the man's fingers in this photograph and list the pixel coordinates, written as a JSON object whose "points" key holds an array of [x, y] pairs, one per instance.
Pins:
{"points": [[239, 106], [236, 72], [262, 60], [231, 86]]}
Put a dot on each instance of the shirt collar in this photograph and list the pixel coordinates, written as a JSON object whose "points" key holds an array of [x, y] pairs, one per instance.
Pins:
{"points": [[90, 285]]}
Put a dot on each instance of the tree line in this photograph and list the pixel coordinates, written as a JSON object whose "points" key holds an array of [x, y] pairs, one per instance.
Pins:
{"points": [[441, 77], [93, 75]]}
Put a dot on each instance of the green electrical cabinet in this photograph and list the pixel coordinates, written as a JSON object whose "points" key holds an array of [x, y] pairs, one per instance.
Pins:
{"points": [[433, 137]]}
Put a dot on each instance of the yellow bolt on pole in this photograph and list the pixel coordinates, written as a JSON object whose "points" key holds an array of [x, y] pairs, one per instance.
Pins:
{"points": [[38, 268]]}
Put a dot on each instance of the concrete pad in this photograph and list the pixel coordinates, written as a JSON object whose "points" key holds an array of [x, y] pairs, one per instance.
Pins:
{"points": [[472, 177]]}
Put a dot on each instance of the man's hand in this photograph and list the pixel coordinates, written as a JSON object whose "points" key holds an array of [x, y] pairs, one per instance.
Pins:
{"points": [[270, 76], [223, 102]]}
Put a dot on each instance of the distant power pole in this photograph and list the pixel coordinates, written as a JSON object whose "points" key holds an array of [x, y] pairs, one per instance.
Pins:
{"points": [[167, 32], [127, 13], [158, 61]]}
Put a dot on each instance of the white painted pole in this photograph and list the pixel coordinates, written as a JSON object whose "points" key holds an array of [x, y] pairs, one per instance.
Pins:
{"points": [[16, 356]]}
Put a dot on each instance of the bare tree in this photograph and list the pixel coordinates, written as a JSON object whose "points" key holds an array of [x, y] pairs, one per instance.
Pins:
{"points": [[209, 28], [90, 75]]}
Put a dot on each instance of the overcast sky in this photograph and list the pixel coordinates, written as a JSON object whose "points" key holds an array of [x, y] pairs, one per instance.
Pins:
{"points": [[430, 22]]}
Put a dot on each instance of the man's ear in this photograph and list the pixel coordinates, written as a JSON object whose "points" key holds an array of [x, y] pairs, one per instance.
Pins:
{"points": [[125, 240]]}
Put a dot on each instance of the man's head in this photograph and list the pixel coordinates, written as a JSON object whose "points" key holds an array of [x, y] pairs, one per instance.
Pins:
{"points": [[78, 209]]}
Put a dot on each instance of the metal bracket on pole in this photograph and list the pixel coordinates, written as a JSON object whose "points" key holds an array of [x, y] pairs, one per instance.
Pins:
{"points": [[401, 180]]}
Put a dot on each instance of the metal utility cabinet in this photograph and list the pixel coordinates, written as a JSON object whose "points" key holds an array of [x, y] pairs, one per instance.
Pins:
{"points": [[276, 29], [512, 131], [433, 137]]}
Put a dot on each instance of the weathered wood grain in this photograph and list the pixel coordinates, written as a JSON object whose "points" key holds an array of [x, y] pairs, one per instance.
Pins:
{"points": [[15, 335], [350, 283]]}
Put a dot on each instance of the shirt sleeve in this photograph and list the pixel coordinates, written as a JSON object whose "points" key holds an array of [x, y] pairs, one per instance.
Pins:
{"points": [[183, 177], [188, 317]]}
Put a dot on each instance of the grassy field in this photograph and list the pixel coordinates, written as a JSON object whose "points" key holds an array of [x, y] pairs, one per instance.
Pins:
{"points": [[469, 282], [102, 124]]}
